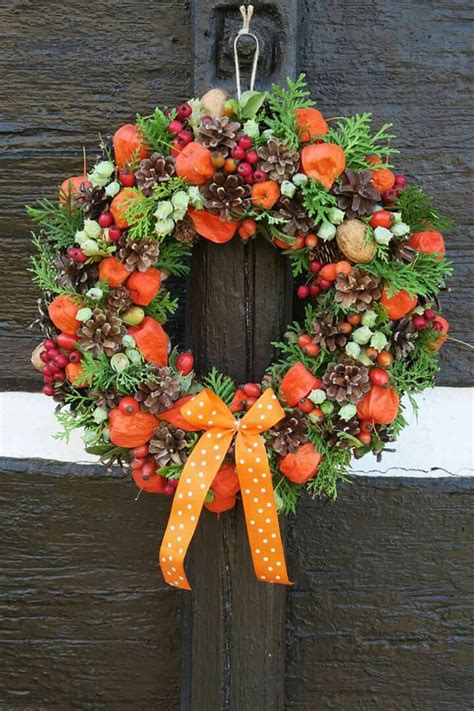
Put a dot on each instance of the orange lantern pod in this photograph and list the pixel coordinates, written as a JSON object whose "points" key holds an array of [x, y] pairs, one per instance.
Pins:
{"points": [[398, 305], [120, 205], [380, 405], [428, 243], [302, 464], [383, 179], [194, 164], [152, 340], [212, 227], [62, 312], [238, 401], [323, 162], [144, 286], [74, 372], [174, 416], [436, 345], [70, 187], [220, 504], [131, 430], [265, 194], [247, 229], [297, 384], [113, 271], [129, 146], [226, 481], [311, 124]]}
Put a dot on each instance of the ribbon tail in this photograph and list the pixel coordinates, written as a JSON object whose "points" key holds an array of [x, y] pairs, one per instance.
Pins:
{"points": [[261, 515], [194, 483]]}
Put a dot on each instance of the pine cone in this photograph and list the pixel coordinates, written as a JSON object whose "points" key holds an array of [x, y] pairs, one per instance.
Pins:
{"points": [[401, 251], [185, 232], [278, 161], [326, 252], [297, 219], [108, 398], [154, 170], [327, 333], [346, 380], [138, 254], [289, 433], [227, 196], [161, 395], [357, 195], [404, 336], [219, 134], [102, 333], [357, 290], [77, 276], [168, 445], [351, 427], [91, 200], [119, 300]]}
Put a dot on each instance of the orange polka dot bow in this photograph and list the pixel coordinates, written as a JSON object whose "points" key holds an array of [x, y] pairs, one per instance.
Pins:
{"points": [[208, 412]]}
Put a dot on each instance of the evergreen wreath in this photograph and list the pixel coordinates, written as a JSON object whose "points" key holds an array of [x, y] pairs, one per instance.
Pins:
{"points": [[367, 255]]}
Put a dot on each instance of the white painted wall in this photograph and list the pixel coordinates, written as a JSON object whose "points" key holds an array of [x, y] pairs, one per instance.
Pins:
{"points": [[439, 444]]}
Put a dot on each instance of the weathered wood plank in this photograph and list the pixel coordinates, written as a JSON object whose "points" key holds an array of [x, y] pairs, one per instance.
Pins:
{"points": [[86, 619], [381, 615]]}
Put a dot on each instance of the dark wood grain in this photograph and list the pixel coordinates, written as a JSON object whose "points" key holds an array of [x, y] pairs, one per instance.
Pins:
{"points": [[86, 620], [381, 615]]}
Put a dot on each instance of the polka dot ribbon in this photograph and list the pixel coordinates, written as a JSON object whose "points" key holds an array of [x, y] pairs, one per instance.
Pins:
{"points": [[208, 412]]}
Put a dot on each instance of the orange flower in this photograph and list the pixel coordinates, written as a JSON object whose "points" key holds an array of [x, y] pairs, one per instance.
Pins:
{"points": [[398, 305], [120, 205], [323, 162], [113, 271], [194, 164], [429, 243], [62, 312], [265, 194], [129, 146], [152, 340], [383, 179], [211, 226], [144, 286], [311, 124], [302, 464]]}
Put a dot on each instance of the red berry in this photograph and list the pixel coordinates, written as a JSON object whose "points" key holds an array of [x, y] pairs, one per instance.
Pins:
{"points": [[304, 340], [105, 219], [390, 196], [47, 370], [66, 341], [170, 487], [312, 349], [48, 378], [185, 363], [252, 390], [381, 218], [74, 357], [128, 405], [429, 314], [141, 452], [249, 180], [305, 405], [49, 343], [314, 290], [245, 142], [419, 323], [366, 426], [136, 464], [184, 137], [52, 353], [400, 181], [71, 253], [259, 175], [80, 256], [48, 390], [238, 153], [303, 292], [183, 111], [250, 402], [149, 469], [44, 356], [437, 326], [364, 437], [114, 233], [175, 126], [378, 376], [61, 360], [60, 375], [127, 179], [53, 368], [324, 283], [315, 267], [252, 157], [244, 169]]}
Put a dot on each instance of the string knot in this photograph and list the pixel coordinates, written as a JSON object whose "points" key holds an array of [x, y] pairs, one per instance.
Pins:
{"points": [[246, 11]]}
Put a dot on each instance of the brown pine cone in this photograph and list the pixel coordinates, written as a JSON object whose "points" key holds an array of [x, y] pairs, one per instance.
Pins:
{"points": [[227, 196], [357, 195], [91, 200], [119, 300], [346, 380], [76, 276], [138, 254], [326, 252], [168, 445], [219, 134], [294, 213], [109, 398], [327, 333], [401, 251], [338, 425], [102, 333], [357, 290], [278, 161], [160, 395], [289, 433], [185, 232], [404, 337], [154, 170]]}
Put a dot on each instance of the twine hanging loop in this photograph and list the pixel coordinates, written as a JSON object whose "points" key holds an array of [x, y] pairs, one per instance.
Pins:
{"points": [[246, 11]]}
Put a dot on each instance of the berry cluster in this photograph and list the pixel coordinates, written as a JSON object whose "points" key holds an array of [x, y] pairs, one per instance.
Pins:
{"points": [[56, 355]]}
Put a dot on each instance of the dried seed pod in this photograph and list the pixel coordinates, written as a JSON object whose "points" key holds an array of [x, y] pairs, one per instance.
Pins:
{"points": [[353, 243]]}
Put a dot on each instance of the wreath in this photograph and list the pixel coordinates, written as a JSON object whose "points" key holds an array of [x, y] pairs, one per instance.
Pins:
{"points": [[367, 256]]}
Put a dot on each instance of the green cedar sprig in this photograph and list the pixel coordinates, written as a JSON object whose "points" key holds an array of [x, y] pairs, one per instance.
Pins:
{"points": [[317, 201], [45, 274], [222, 385], [418, 211], [59, 223], [140, 211], [422, 277], [282, 105], [354, 135], [418, 371], [100, 375], [155, 130], [162, 307], [332, 469], [173, 256]]}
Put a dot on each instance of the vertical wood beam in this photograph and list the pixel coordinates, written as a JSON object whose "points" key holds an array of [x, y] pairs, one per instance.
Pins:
{"points": [[239, 300]]}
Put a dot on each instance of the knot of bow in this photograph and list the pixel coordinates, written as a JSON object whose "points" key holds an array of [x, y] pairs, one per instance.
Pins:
{"points": [[206, 411]]}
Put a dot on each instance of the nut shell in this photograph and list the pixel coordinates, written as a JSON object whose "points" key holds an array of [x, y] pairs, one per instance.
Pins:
{"points": [[213, 101], [35, 357], [351, 240]]}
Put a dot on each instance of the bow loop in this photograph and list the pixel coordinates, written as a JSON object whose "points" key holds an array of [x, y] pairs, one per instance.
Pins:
{"points": [[265, 413], [206, 410]]}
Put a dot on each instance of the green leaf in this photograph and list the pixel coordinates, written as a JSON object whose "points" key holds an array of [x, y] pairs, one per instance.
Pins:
{"points": [[250, 103]]}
